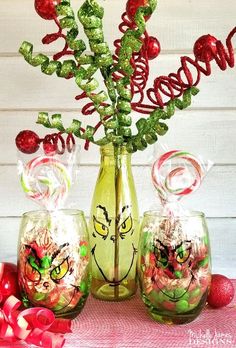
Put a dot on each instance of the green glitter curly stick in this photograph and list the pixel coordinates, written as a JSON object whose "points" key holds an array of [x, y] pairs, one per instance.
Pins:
{"points": [[114, 115]]}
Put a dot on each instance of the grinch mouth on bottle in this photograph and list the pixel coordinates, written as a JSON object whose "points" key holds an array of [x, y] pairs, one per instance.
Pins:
{"points": [[119, 281], [102, 227]]}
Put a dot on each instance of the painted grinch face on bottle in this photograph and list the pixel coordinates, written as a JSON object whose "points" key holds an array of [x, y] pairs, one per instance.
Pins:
{"points": [[50, 274], [104, 240]]}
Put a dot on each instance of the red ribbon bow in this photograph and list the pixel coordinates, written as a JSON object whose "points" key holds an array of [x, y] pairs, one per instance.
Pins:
{"points": [[36, 325]]}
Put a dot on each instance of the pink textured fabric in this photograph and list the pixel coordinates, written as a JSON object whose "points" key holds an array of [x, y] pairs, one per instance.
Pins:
{"points": [[128, 325]]}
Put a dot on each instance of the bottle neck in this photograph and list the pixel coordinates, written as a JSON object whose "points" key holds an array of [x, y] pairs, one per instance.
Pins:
{"points": [[115, 155]]}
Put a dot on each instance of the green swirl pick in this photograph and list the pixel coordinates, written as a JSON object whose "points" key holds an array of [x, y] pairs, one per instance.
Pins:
{"points": [[113, 105]]}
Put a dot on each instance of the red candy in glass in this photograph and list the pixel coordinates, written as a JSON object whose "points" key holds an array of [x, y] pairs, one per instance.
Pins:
{"points": [[27, 141], [205, 48], [46, 8], [152, 47], [133, 5], [8, 281]]}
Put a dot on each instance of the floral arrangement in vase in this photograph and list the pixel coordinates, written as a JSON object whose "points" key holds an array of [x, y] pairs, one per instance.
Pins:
{"points": [[124, 69]]}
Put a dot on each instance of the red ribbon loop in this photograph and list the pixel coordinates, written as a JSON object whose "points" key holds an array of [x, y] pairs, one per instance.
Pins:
{"points": [[36, 325]]}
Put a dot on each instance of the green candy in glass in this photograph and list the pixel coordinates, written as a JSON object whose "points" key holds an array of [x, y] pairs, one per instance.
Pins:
{"points": [[169, 246]]}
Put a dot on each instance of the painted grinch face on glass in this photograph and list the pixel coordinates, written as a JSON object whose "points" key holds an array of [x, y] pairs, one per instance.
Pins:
{"points": [[51, 273], [53, 268], [174, 265], [102, 231]]}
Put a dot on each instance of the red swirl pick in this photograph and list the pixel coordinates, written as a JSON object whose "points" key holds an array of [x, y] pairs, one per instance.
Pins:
{"points": [[28, 142], [207, 49]]}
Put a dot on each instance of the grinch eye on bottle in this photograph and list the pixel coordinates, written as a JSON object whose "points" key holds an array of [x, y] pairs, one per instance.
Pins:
{"points": [[100, 228], [125, 227], [60, 271]]}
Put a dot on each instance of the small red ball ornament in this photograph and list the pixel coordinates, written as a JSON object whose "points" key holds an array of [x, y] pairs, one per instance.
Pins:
{"points": [[8, 281], [205, 48], [27, 141], [133, 5], [46, 8], [152, 47], [221, 291]]}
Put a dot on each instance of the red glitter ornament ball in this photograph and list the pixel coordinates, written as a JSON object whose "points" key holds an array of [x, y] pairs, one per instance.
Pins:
{"points": [[46, 8], [133, 5], [8, 281], [27, 141], [152, 47], [205, 48], [221, 291]]}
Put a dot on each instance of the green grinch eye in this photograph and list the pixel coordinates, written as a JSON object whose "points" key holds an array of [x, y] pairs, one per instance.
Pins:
{"points": [[32, 273], [183, 256], [60, 271], [161, 257], [183, 251]]}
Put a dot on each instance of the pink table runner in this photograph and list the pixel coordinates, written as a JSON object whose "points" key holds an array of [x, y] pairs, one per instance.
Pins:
{"points": [[128, 325]]}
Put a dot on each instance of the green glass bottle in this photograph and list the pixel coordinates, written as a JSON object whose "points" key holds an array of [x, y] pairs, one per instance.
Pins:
{"points": [[114, 227]]}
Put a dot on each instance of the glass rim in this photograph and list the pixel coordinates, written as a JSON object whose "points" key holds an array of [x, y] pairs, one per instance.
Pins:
{"points": [[68, 212], [190, 213]]}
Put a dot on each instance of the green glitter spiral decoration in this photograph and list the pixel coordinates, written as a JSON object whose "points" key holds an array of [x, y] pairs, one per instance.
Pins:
{"points": [[148, 128], [113, 105], [90, 15], [48, 66], [130, 43]]}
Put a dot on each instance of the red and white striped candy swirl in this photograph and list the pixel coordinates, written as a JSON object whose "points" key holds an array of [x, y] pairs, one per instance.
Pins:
{"points": [[46, 180], [164, 183]]}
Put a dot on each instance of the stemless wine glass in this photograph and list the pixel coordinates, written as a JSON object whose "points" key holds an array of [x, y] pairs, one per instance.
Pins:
{"points": [[54, 261], [174, 266]]}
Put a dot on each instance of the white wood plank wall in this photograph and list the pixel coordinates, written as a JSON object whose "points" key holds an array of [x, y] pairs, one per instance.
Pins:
{"points": [[208, 128]]}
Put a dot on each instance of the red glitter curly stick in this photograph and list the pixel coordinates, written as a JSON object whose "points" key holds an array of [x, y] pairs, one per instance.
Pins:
{"points": [[57, 142], [174, 85], [49, 38]]}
